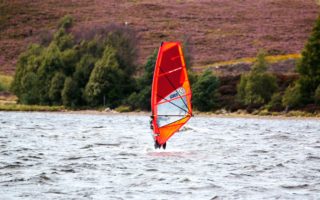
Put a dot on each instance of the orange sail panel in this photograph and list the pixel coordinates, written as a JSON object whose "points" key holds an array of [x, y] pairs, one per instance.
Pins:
{"points": [[171, 93]]}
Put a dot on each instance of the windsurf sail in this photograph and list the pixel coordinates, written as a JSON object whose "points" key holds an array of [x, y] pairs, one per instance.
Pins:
{"points": [[171, 93]]}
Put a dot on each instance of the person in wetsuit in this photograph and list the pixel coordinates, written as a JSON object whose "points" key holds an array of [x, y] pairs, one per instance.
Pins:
{"points": [[156, 144]]}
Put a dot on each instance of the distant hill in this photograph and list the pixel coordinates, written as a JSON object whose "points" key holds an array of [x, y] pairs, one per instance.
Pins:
{"points": [[216, 30]]}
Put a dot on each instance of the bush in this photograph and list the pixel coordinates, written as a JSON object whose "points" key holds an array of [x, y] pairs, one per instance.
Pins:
{"points": [[257, 87], [204, 92], [292, 97], [275, 103]]}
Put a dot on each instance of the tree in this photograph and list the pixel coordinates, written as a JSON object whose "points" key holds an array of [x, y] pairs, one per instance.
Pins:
{"points": [[70, 58], [51, 63], [106, 81], [204, 91], [99, 66], [29, 89], [29, 61], [124, 42], [292, 96], [63, 40], [56, 86], [66, 22], [257, 87], [142, 96], [82, 74], [309, 66], [70, 93], [275, 103]]}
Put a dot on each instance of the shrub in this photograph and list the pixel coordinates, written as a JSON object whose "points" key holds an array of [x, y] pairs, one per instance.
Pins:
{"points": [[292, 97], [204, 91], [275, 103], [257, 87]]}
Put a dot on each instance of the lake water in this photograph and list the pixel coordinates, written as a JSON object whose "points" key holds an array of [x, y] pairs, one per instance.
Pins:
{"points": [[84, 156]]}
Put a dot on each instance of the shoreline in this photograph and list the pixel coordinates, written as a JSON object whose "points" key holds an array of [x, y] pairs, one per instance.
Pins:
{"points": [[274, 115]]}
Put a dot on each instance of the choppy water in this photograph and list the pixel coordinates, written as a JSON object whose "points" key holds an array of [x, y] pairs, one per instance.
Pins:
{"points": [[81, 156]]}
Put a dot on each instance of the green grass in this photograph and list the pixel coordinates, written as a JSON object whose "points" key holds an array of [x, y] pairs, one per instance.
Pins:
{"points": [[20, 107], [5, 82], [122, 109]]}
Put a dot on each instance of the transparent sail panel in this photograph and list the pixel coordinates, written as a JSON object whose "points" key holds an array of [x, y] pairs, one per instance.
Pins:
{"points": [[173, 110]]}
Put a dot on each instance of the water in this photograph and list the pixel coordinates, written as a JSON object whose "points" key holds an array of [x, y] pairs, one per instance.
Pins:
{"points": [[82, 156]]}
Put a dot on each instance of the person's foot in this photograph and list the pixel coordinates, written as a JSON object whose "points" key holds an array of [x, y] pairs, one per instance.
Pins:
{"points": [[164, 145], [156, 145]]}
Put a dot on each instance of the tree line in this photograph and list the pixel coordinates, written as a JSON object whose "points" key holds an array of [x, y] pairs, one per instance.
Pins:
{"points": [[98, 69]]}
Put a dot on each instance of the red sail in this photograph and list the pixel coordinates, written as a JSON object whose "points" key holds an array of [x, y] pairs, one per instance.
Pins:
{"points": [[171, 93]]}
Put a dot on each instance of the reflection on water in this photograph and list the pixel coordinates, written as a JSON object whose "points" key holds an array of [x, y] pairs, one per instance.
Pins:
{"points": [[74, 156]]}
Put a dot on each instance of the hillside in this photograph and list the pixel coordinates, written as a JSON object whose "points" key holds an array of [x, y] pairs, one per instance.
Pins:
{"points": [[216, 30]]}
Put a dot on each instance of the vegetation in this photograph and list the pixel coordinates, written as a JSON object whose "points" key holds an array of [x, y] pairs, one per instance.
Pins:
{"points": [[140, 98], [95, 69], [5, 82], [257, 87], [292, 96], [204, 92], [309, 67], [19, 107]]}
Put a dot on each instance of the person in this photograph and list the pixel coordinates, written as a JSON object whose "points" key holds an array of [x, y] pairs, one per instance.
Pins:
{"points": [[156, 144], [151, 122]]}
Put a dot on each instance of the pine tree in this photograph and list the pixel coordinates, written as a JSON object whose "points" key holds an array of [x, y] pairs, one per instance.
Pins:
{"points": [[309, 67]]}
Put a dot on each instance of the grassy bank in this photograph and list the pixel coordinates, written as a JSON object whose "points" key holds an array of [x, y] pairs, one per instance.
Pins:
{"points": [[219, 113], [19, 107]]}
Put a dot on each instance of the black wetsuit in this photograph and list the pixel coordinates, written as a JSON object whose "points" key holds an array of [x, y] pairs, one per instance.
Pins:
{"points": [[156, 144]]}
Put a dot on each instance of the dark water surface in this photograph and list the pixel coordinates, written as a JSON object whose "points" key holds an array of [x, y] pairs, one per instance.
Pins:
{"points": [[81, 156]]}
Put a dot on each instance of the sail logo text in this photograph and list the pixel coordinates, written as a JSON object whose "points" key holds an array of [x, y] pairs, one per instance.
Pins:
{"points": [[179, 92]]}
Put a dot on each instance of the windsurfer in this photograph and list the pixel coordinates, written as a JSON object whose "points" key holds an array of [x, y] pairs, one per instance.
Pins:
{"points": [[151, 122], [156, 144]]}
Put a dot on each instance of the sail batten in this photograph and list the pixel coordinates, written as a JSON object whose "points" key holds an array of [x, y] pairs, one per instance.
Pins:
{"points": [[171, 93]]}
